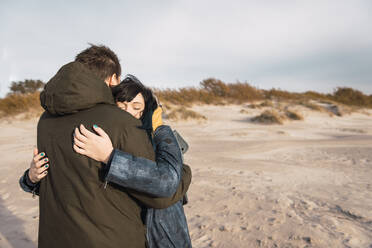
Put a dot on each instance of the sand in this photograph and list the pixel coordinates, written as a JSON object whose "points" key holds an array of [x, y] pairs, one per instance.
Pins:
{"points": [[302, 184]]}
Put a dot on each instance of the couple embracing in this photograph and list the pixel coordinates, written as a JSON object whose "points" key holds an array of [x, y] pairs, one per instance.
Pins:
{"points": [[107, 171]]}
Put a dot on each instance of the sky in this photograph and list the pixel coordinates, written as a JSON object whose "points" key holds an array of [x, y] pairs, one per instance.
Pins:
{"points": [[295, 45]]}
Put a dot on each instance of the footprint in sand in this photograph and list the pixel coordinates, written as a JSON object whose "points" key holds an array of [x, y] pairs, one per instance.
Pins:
{"points": [[222, 229], [201, 226], [271, 220], [243, 228]]}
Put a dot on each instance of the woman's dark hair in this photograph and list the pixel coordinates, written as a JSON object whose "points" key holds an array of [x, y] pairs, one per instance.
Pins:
{"points": [[128, 89]]}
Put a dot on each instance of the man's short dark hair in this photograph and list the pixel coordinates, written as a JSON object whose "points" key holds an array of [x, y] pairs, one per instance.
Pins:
{"points": [[101, 60]]}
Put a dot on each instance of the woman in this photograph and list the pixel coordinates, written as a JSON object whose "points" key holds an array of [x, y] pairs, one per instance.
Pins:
{"points": [[165, 227]]}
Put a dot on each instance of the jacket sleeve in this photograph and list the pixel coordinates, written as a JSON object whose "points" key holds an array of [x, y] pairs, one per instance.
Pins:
{"points": [[27, 185], [165, 202], [160, 178]]}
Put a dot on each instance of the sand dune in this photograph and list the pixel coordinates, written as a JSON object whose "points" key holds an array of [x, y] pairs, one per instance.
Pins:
{"points": [[302, 184]]}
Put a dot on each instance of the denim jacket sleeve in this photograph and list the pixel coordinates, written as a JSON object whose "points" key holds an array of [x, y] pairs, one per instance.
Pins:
{"points": [[165, 202], [27, 185], [160, 178]]}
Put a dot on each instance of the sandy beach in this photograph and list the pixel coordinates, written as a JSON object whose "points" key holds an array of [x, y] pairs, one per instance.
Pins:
{"points": [[301, 184]]}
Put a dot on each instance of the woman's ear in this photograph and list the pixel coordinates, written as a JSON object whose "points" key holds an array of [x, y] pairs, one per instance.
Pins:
{"points": [[122, 105]]}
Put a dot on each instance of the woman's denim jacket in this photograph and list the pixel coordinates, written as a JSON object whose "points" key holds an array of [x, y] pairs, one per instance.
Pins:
{"points": [[165, 227]]}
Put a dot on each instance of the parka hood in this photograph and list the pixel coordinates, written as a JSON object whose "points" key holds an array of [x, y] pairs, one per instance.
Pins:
{"points": [[74, 88]]}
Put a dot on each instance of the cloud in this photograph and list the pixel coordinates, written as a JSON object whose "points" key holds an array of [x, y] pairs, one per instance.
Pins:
{"points": [[179, 43]]}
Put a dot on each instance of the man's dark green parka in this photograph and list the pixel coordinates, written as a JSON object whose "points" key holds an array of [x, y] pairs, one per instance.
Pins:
{"points": [[75, 209]]}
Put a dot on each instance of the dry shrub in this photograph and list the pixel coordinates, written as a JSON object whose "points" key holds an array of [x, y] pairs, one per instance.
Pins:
{"points": [[252, 106], [19, 103], [349, 96], [311, 106], [344, 95], [316, 95], [215, 87], [26, 86], [243, 92], [166, 106], [186, 96], [244, 111], [293, 115], [277, 117], [278, 94], [183, 113], [265, 103], [211, 91], [269, 117]]}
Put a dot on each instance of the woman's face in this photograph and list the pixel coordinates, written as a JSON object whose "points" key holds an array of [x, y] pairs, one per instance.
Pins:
{"points": [[134, 107]]}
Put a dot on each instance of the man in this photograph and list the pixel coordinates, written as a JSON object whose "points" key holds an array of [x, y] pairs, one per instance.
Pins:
{"points": [[75, 209]]}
